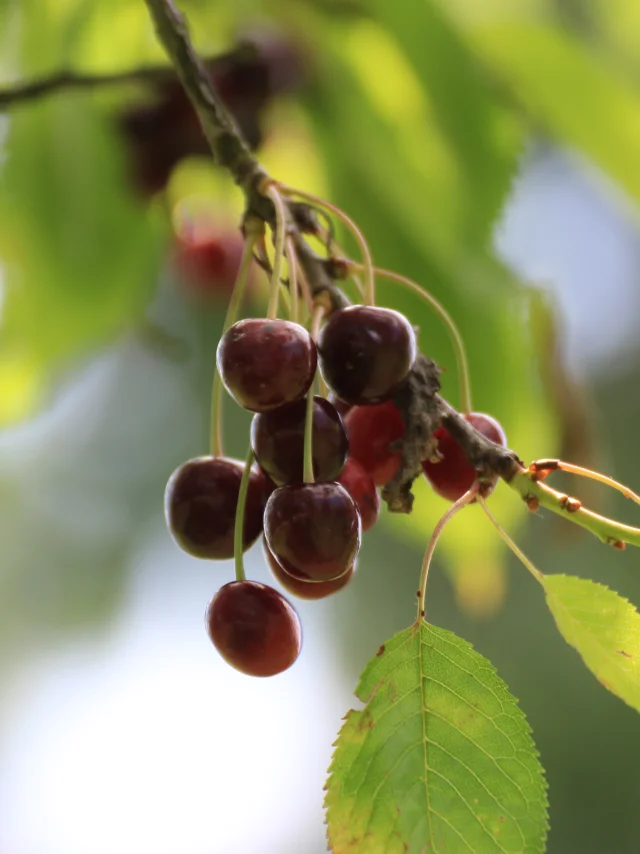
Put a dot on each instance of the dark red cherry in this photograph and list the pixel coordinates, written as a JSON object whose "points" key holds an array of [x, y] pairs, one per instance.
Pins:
{"points": [[200, 505], [365, 352], [266, 363], [360, 486], [277, 439], [254, 628], [452, 475], [305, 589], [313, 530], [341, 407], [372, 432]]}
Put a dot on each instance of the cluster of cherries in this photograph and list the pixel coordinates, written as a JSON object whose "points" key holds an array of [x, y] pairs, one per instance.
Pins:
{"points": [[312, 516]]}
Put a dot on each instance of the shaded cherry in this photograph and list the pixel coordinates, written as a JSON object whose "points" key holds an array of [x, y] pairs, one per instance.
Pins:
{"points": [[313, 530], [254, 628], [207, 259], [200, 505], [305, 589], [277, 439], [365, 352], [360, 486], [452, 475], [341, 407], [372, 431], [266, 363]]}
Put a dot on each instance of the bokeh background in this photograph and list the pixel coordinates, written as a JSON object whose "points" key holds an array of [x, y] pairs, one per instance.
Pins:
{"points": [[489, 150]]}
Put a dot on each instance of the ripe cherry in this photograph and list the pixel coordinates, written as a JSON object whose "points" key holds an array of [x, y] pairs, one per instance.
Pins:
{"points": [[305, 589], [372, 431], [207, 258], [452, 475], [360, 486], [254, 628], [313, 530], [200, 505], [277, 439], [365, 352], [266, 363]]}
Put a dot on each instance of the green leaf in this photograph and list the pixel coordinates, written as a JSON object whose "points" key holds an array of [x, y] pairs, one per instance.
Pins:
{"points": [[603, 627], [440, 759], [564, 87]]}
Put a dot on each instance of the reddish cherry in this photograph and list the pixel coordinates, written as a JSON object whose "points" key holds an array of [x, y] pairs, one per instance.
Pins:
{"points": [[313, 530], [305, 589], [360, 486], [208, 259], [254, 628], [452, 475], [200, 505], [372, 430], [266, 363]]}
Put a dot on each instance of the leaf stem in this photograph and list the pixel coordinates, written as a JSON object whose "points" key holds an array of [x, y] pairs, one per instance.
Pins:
{"points": [[238, 532], [253, 227], [463, 501], [608, 530], [281, 218], [512, 545], [443, 314], [353, 228]]}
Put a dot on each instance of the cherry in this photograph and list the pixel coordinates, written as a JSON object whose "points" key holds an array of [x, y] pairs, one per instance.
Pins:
{"points": [[360, 486], [208, 258], [254, 628], [365, 352], [313, 530], [372, 430], [200, 505], [305, 589], [277, 439], [452, 475], [266, 363], [341, 407]]}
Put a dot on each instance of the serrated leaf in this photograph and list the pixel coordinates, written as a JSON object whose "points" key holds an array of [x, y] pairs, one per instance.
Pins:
{"points": [[440, 759], [603, 627]]}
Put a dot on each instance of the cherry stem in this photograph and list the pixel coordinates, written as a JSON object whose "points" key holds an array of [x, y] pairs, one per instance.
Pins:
{"points": [[353, 228], [238, 532], [280, 236], [545, 467], [307, 473], [514, 548], [452, 329], [463, 501], [293, 280], [232, 312]]}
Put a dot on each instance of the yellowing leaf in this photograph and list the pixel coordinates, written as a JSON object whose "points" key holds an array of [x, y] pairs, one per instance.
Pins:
{"points": [[603, 627]]}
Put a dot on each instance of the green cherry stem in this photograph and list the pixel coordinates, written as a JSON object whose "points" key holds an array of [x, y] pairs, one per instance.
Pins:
{"points": [[280, 236], [307, 469], [293, 280], [545, 467], [463, 501], [443, 314], [238, 531], [512, 545], [253, 229], [367, 265]]}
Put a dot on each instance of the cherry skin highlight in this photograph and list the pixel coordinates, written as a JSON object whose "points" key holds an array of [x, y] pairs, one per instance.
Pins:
{"points": [[365, 352], [305, 589], [254, 628], [313, 530], [277, 439], [360, 486], [266, 363], [452, 475], [200, 506], [372, 430]]}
